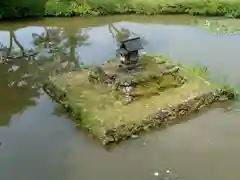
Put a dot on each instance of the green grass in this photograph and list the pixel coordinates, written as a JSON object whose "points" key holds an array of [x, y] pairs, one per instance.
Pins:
{"points": [[228, 8], [203, 73]]}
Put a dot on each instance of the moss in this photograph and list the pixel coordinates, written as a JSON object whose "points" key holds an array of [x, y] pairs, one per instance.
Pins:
{"points": [[100, 110]]}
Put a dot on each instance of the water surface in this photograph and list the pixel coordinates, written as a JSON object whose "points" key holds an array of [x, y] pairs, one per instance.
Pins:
{"points": [[40, 142]]}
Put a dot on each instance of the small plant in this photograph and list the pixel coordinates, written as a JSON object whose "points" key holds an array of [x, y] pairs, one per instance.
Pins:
{"points": [[221, 83], [200, 70], [231, 89]]}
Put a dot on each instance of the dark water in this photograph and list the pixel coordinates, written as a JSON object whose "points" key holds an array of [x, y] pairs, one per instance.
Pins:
{"points": [[38, 142]]}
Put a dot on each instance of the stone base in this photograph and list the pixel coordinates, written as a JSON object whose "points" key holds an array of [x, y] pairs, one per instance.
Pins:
{"points": [[100, 110], [132, 80], [165, 115]]}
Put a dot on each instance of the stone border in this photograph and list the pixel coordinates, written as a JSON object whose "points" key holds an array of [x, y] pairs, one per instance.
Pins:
{"points": [[159, 119]]}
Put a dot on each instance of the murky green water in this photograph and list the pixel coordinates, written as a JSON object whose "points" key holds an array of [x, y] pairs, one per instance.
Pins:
{"points": [[38, 142]]}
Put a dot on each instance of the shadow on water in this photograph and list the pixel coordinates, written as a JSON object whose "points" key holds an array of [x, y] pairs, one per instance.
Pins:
{"points": [[49, 145]]}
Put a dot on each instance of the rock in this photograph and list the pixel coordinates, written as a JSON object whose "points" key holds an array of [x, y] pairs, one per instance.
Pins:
{"points": [[13, 68], [170, 66], [128, 99], [124, 90], [21, 83], [10, 84], [97, 75], [112, 77], [126, 83], [2, 60], [135, 136], [170, 71], [128, 89], [228, 109]]}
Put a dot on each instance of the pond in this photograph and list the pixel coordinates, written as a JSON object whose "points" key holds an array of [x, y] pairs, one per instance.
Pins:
{"points": [[38, 141]]}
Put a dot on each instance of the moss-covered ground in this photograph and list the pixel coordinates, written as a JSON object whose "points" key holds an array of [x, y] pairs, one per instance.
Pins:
{"points": [[99, 108]]}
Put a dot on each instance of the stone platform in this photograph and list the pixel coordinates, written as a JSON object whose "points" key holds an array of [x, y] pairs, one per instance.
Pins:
{"points": [[113, 104]]}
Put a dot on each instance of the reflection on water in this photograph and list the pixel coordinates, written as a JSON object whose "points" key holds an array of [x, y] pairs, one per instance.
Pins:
{"points": [[39, 143], [25, 62]]}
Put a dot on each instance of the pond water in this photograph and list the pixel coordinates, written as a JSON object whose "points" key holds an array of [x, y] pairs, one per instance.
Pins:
{"points": [[37, 141]]}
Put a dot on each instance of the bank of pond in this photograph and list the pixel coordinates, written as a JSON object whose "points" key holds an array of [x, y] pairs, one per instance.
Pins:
{"points": [[66, 8]]}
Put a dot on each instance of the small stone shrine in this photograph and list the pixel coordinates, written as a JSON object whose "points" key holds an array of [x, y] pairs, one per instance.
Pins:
{"points": [[128, 53], [130, 74]]}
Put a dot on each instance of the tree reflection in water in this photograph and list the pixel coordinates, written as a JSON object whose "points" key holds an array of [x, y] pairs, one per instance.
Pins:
{"points": [[122, 34], [21, 73], [54, 50]]}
